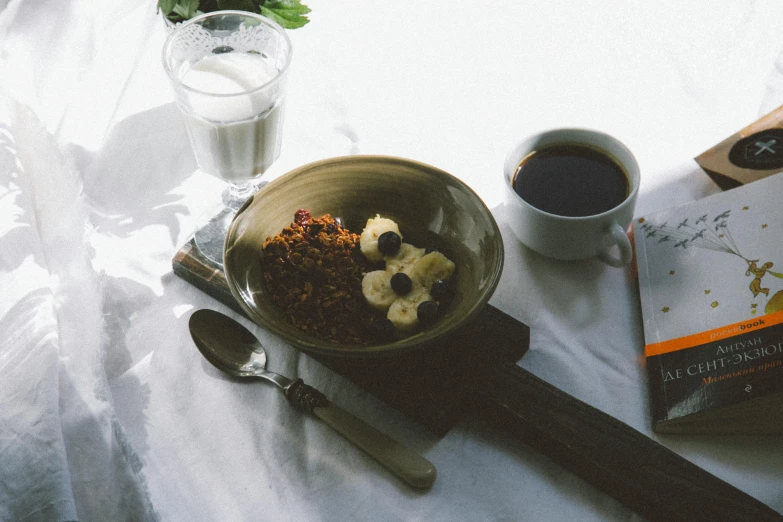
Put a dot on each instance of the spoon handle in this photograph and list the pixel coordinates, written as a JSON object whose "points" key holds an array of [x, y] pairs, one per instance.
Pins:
{"points": [[400, 460]]}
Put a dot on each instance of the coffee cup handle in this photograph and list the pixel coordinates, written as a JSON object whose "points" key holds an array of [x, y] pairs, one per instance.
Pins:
{"points": [[623, 244]]}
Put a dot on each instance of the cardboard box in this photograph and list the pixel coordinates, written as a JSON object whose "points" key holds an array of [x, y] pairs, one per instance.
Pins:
{"points": [[753, 153]]}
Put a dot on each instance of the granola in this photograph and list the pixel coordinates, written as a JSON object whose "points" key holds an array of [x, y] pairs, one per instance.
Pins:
{"points": [[313, 271]]}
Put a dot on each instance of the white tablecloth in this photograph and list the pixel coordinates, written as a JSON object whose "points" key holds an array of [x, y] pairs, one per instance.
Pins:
{"points": [[108, 412]]}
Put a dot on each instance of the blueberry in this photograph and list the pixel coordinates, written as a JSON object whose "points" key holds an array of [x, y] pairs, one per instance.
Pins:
{"points": [[441, 290], [401, 283], [432, 242], [389, 243], [331, 228], [427, 312], [383, 328]]}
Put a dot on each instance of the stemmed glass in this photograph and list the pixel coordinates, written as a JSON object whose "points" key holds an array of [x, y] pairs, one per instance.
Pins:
{"points": [[228, 70]]}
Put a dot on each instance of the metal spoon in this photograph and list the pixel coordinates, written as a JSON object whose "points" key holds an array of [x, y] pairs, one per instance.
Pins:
{"points": [[232, 348]]}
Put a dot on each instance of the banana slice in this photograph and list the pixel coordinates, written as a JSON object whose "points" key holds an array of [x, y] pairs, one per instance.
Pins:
{"points": [[377, 290], [432, 267], [405, 259], [368, 240], [403, 312]]}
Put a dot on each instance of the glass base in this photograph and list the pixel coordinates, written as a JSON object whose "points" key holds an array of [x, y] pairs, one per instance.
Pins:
{"points": [[210, 236]]}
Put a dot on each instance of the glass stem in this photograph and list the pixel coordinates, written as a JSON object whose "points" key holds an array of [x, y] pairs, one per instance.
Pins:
{"points": [[238, 191]]}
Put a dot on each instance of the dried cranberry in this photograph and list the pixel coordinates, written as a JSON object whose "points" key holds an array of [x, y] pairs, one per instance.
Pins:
{"points": [[302, 217]]}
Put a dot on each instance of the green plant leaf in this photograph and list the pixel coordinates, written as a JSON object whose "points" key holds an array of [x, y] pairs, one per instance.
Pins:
{"points": [[288, 5], [290, 14], [166, 6], [238, 5], [187, 9]]}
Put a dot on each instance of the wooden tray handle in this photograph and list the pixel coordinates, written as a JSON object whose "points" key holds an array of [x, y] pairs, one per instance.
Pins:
{"points": [[650, 479]]}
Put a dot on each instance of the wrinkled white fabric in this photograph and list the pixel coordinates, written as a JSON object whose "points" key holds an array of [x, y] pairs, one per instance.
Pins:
{"points": [[64, 452], [35, 483], [107, 410]]}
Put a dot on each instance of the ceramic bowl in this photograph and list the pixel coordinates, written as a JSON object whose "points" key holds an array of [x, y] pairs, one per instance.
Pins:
{"points": [[422, 199]]}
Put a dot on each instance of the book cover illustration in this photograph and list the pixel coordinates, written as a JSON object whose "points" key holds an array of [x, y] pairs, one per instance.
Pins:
{"points": [[711, 288]]}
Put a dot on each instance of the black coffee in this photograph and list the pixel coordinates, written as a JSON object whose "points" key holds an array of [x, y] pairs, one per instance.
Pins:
{"points": [[571, 180]]}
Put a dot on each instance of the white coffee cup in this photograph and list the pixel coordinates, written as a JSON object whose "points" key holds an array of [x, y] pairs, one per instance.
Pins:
{"points": [[567, 237]]}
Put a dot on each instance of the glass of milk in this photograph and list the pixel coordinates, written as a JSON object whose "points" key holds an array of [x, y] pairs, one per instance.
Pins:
{"points": [[228, 70]]}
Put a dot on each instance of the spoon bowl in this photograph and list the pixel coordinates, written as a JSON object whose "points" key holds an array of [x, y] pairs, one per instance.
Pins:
{"points": [[230, 347], [233, 349]]}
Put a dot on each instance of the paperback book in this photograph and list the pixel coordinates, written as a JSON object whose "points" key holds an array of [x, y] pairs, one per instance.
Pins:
{"points": [[711, 289]]}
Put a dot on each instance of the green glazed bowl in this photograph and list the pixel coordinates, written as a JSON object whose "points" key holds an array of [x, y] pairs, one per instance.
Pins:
{"points": [[420, 198]]}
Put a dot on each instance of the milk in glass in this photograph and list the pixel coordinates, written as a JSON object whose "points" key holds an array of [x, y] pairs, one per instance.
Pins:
{"points": [[234, 127]]}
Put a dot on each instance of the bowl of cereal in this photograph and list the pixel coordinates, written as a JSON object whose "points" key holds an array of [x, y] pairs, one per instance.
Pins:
{"points": [[363, 255]]}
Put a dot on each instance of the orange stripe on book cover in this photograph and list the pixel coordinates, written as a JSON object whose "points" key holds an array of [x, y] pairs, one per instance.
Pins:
{"points": [[724, 332]]}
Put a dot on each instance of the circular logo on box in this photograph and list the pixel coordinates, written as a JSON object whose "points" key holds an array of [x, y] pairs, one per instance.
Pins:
{"points": [[760, 151]]}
